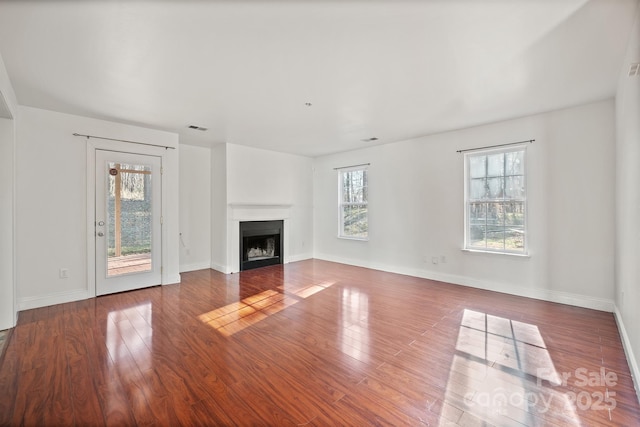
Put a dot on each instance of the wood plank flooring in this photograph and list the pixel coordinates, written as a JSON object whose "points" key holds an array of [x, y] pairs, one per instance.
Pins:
{"points": [[319, 344]]}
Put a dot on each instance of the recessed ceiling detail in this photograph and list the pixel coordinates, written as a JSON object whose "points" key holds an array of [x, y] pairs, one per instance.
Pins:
{"points": [[200, 128]]}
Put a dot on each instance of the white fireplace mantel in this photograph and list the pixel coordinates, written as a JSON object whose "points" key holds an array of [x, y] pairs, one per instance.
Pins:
{"points": [[259, 211], [238, 212]]}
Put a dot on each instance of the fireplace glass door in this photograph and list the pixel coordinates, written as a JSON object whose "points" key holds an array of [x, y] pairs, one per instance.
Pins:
{"points": [[260, 244]]}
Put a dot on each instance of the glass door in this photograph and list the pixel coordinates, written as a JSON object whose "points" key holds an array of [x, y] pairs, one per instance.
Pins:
{"points": [[128, 221]]}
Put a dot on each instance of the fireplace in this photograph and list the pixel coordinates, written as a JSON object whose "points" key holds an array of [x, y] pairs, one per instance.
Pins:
{"points": [[260, 244]]}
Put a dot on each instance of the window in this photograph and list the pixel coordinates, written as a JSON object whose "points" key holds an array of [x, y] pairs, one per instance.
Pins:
{"points": [[353, 203], [495, 201]]}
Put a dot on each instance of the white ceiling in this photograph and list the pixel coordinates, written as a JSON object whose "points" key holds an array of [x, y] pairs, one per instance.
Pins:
{"points": [[245, 69]]}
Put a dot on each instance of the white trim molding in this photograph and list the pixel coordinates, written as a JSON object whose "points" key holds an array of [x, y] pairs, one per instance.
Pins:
{"points": [[628, 351], [27, 303], [220, 268], [259, 211], [583, 301], [238, 212], [194, 266], [300, 257], [169, 240]]}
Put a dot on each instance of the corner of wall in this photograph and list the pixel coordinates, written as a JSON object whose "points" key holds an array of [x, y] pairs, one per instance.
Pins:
{"points": [[219, 208], [628, 351], [8, 112], [627, 293], [7, 94]]}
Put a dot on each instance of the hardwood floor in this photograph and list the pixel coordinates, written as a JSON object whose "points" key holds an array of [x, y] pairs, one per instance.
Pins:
{"points": [[319, 344]]}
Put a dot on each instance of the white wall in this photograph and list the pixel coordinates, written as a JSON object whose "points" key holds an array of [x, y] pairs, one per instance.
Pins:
{"points": [[416, 208], [195, 208], [7, 148], [7, 297], [628, 203], [219, 208], [268, 177], [264, 181], [51, 203], [6, 90]]}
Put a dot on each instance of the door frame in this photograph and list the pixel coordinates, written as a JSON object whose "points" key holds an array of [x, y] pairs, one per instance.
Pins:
{"points": [[94, 144], [106, 283]]}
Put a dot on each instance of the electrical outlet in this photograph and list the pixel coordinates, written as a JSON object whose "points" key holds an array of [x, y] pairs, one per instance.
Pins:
{"points": [[434, 260], [64, 273]]}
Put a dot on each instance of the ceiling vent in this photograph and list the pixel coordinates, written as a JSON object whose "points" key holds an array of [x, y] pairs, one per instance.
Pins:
{"points": [[194, 127], [634, 69]]}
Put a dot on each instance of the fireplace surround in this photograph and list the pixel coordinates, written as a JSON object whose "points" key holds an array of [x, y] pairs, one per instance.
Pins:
{"points": [[261, 243], [238, 212]]}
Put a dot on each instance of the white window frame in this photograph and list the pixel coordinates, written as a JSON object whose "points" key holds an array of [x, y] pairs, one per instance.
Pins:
{"points": [[467, 202], [342, 204]]}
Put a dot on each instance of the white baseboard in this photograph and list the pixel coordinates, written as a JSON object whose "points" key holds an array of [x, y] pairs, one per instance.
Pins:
{"points": [[172, 280], [194, 266], [28, 303], [299, 257], [583, 301], [220, 268], [536, 293], [628, 350]]}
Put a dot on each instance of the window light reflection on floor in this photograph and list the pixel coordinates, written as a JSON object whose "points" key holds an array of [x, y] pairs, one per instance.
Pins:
{"points": [[354, 334], [234, 317], [496, 373], [129, 334]]}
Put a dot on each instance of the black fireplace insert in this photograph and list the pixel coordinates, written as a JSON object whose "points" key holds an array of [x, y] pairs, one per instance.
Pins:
{"points": [[260, 244]]}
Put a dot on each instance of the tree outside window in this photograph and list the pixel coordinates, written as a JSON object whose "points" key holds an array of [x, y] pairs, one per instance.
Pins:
{"points": [[353, 204], [495, 201]]}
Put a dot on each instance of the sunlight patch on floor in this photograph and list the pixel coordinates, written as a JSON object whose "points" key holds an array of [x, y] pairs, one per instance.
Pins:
{"points": [[502, 374], [235, 317]]}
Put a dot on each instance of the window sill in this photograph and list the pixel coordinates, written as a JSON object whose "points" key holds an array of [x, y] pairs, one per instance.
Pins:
{"points": [[512, 254], [359, 239]]}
